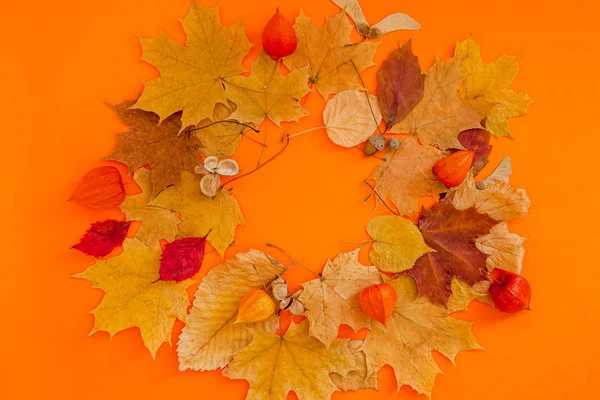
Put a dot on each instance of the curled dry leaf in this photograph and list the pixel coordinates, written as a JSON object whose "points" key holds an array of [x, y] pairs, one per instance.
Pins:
{"points": [[209, 184], [182, 259], [279, 38], [333, 298], [351, 117], [505, 249], [211, 337], [400, 85], [279, 288], [256, 305], [486, 88], [397, 243], [407, 174], [452, 234], [502, 173], [500, 200], [265, 93], [211, 163], [416, 327], [331, 57], [157, 222], [100, 189], [190, 74], [391, 23], [103, 237], [274, 365], [440, 116], [201, 215], [134, 296]]}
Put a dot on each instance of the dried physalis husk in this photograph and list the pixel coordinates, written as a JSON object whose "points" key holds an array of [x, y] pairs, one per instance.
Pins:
{"points": [[211, 163], [256, 305], [279, 288], [209, 184], [227, 167], [374, 144]]}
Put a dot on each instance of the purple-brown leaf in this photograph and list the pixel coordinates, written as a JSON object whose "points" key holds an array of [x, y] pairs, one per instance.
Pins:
{"points": [[400, 85], [452, 234], [479, 141]]}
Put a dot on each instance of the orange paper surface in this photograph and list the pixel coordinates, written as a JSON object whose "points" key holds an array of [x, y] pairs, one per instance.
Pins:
{"points": [[62, 59]]}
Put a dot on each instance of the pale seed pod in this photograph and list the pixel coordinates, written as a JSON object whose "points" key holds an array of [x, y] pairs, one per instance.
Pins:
{"points": [[209, 184], [210, 163], [279, 288], [227, 167]]}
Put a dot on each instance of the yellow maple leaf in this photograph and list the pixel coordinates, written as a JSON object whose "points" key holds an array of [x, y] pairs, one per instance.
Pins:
{"points": [[274, 365], [330, 54], [440, 116], [397, 243], [505, 249], [486, 88], [267, 93], [191, 76], [407, 174], [134, 297], [463, 294], [157, 222], [416, 327], [211, 335], [200, 214], [359, 378], [334, 298]]}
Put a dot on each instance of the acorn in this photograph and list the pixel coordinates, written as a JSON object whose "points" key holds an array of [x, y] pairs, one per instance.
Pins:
{"points": [[393, 143], [374, 144]]}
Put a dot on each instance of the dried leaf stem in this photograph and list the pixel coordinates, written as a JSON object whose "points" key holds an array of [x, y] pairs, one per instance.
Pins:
{"points": [[378, 196], [293, 259]]}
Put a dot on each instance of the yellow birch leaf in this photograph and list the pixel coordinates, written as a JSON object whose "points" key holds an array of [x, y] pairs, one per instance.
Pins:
{"points": [[211, 335], [505, 248], [192, 75], [486, 88], [267, 93], [200, 214], [334, 298], [324, 50], [359, 378], [463, 294], [220, 140], [415, 329], [397, 245], [134, 297], [351, 117], [407, 174], [500, 200], [274, 365], [157, 222], [440, 116]]}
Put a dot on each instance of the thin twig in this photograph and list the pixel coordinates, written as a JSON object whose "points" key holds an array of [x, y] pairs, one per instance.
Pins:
{"points": [[367, 95], [230, 121], [380, 198], [258, 167], [264, 143], [293, 259], [306, 131]]}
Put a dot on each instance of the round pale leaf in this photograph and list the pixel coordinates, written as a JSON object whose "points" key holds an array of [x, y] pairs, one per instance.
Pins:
{"points": [[350, 118]]}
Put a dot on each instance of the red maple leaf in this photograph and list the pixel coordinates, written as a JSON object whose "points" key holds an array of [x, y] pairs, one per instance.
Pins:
{"points": [[452, 234]]}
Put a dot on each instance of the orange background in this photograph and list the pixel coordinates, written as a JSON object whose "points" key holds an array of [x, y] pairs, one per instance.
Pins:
{"points": [[61, 59]]}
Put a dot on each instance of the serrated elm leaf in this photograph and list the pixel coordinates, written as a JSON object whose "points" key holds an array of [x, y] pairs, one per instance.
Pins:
{"points": [[182, 259], [103, 237]]}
